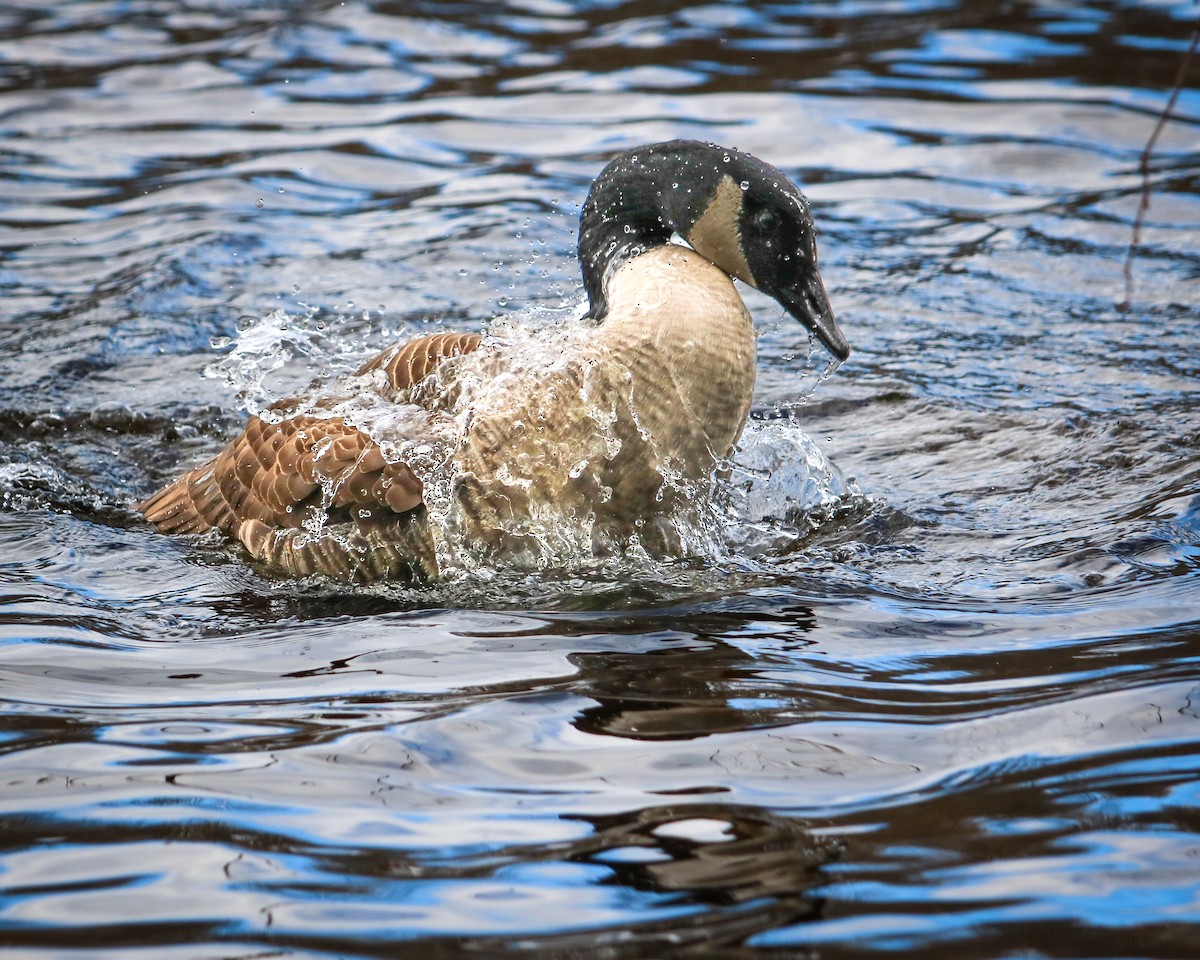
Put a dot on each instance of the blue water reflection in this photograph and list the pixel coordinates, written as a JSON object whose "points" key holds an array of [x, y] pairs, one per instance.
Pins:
{"points": [[952, 713]]}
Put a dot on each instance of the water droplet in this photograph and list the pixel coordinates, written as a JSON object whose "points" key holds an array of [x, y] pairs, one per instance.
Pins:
{"points": [[260, 203], [745, 184], [725, 158], [628, 228]]}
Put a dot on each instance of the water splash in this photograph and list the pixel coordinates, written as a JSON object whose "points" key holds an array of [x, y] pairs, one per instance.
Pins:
{"points": [[280, 351], [771, 493], [262, 346], [778, 487]]}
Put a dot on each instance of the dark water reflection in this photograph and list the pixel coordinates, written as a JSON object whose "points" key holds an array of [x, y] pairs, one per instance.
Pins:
{"points": [[954, 715]]}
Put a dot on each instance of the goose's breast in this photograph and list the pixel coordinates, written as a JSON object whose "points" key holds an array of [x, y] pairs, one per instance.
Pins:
{"points": [[677, 324]]}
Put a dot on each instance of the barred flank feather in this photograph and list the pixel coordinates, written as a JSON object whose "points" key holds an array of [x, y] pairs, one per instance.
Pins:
{"points": [[396, 549]]}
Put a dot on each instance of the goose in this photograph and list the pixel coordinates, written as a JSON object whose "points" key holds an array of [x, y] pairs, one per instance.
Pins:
{"points": [[617, 431]]}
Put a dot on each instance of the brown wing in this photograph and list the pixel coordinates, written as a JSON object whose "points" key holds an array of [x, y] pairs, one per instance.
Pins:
{"points": [[274, 472], [268, 481], [408, 364]]}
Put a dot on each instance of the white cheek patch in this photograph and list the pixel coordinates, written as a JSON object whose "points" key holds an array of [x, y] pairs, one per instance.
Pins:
{"points": [[715, 235]]}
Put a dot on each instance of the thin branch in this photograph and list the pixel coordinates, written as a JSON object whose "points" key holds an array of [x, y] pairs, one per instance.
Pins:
{"points": [[1144, 167]]}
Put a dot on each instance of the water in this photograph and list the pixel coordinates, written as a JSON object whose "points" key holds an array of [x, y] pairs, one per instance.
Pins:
{"points": [[950, 711]]}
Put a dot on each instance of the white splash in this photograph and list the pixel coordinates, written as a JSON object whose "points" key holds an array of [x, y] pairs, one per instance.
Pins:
{"points": [[772, 492]]}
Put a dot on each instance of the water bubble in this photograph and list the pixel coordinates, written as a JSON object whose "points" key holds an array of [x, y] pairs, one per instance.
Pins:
{"points": [[281, 190], [628, 228], [113, 416], [260, 203], [745, 184], [725, 158]]}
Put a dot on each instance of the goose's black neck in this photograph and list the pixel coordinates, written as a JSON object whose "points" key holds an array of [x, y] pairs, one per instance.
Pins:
{"points": [[738, 212], [642, 198]]}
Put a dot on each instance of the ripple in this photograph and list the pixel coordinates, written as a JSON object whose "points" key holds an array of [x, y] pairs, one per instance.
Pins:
{"points": [[931, 689]]}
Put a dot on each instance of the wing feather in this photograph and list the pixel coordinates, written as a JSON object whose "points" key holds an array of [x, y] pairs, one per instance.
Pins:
{"points": [[408, 364], [271, 478]]}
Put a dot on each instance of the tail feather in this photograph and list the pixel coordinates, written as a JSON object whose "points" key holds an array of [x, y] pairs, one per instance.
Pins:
{"points": [[191, 504]]}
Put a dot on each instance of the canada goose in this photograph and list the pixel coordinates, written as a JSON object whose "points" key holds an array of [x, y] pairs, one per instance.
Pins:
{"points": [[651, 396]]}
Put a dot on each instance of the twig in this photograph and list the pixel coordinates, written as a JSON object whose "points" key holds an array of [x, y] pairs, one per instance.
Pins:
{"points": [[1144, 168]]}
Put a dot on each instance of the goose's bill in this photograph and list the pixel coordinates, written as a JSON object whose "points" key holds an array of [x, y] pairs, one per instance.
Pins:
{"points": [[808, 303]]}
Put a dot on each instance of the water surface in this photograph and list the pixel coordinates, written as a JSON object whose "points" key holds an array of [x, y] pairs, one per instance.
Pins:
{"points": [[951, 712]]}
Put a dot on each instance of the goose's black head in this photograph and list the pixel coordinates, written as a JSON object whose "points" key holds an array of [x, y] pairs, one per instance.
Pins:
{"points": [[740, 213]]}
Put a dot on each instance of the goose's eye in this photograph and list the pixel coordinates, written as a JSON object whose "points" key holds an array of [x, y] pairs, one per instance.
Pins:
{"points": [[765, 219]]}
